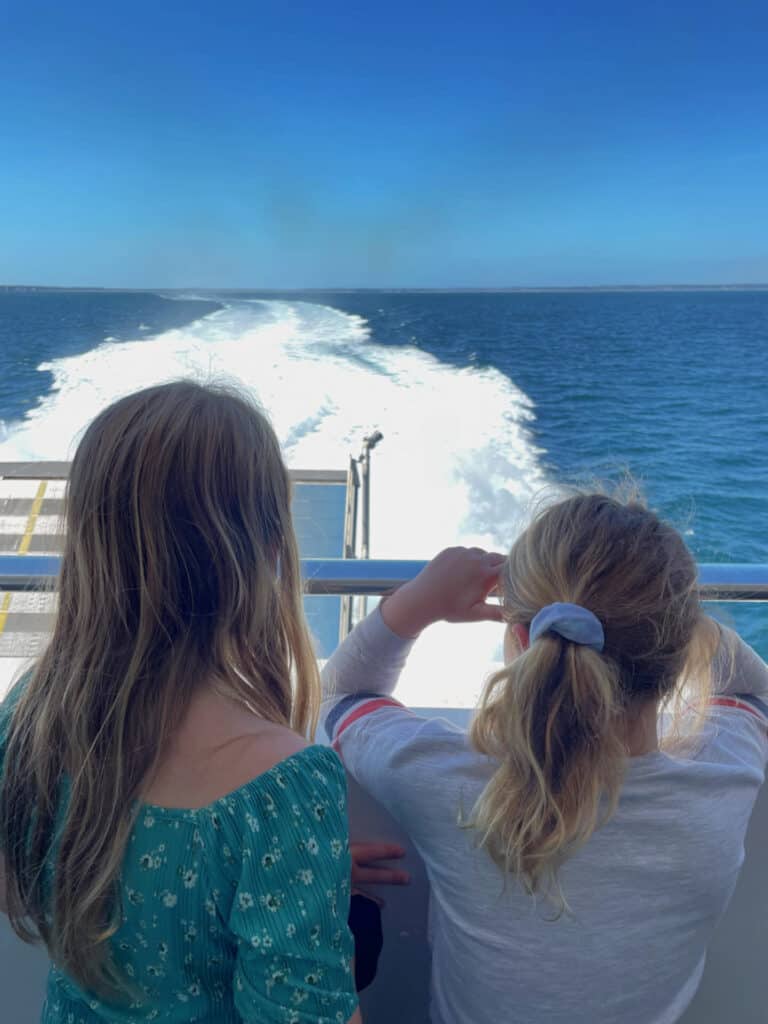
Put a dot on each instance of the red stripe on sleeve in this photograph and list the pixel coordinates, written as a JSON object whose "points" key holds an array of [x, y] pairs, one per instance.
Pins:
{"points": [[365, 709], [730, 702]]}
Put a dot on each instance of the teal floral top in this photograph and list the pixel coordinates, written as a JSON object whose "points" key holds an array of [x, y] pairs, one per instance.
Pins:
{"points": [[236, 911]]}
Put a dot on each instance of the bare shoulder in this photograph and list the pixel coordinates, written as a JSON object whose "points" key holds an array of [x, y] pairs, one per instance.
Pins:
{"points": [[264, 747], [195, 776]]}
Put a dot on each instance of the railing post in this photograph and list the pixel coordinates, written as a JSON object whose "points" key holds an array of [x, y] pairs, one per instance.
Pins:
{"points": [[369, 443], [350, 542]]}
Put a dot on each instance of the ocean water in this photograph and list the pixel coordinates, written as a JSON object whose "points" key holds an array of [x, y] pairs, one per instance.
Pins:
{"points": [[485, 400]]}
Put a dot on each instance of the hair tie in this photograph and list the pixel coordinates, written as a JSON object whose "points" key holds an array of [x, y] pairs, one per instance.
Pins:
{"points": [[570, 621]]}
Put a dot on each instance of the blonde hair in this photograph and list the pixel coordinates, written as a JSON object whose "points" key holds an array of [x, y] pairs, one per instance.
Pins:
{"points": [[180, 566], [555, 716]]}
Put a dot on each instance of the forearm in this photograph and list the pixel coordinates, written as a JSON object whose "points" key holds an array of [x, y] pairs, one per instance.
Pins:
{"points": [[370, 660], [454, 586]]}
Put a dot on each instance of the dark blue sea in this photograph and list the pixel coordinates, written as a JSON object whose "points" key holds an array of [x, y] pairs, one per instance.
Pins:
{"points": [[484, 399]]}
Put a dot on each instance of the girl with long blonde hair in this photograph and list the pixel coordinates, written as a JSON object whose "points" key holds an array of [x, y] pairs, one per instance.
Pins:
{"points": [[165, 827], [584, 837]]}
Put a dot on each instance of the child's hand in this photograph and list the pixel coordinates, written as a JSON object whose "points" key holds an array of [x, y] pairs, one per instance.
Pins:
{"points": [[454, 586], [365, 854]]}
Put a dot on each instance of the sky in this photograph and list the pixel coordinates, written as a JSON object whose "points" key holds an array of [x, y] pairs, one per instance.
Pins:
{"points": [[313, 145]]}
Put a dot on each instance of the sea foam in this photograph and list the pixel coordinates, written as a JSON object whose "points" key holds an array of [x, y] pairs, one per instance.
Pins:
{"points": [[457, 464]]}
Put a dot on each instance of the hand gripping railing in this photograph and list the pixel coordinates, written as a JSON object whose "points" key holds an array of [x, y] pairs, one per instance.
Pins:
{"points": [[726, 582]]}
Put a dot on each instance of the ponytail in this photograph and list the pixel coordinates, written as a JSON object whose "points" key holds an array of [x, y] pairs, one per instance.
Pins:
{"points": [[552, 720], [555, 718]]}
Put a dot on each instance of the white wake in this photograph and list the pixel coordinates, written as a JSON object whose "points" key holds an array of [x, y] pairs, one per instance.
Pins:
{"points": [[457, 463]]}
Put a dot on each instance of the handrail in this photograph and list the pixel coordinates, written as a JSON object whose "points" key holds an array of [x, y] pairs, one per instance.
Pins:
{"points": [[60, 471], [371, 577]]}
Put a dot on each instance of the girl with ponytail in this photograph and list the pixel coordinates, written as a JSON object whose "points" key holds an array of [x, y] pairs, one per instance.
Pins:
{"points": [[584, 837]]}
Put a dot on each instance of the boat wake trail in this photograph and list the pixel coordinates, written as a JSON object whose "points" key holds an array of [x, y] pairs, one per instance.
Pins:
{"points": [[457, 464]]}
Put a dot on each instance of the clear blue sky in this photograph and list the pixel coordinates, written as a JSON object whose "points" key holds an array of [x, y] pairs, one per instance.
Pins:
{"points": [[260, 144]]}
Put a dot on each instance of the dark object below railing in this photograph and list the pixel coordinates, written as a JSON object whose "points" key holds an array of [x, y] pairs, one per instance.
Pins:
{"points": [[337, 576]]}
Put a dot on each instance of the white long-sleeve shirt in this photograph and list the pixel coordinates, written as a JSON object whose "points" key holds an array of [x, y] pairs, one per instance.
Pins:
{"points": [[645, 892]]}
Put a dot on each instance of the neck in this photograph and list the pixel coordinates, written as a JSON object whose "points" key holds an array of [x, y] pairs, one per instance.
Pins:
{"points": [[640, 734]]}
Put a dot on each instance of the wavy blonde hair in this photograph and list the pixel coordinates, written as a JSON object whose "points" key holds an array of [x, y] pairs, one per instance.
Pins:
{"points": [[555, 717], [180, 568]]}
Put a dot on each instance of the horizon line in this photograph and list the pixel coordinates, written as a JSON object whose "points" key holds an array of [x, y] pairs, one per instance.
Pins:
{"points": [[741, 286]]}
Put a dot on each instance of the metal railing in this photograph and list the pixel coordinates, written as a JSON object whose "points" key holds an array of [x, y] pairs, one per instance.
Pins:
{"points": [[60, 471], [370, 577]]}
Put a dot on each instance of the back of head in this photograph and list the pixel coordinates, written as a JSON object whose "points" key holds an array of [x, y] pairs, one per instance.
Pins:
{"points": [[180, 568], [556, 716]]}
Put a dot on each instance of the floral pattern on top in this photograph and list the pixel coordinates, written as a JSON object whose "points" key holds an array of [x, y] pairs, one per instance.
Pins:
{"points": [[235, 912]]}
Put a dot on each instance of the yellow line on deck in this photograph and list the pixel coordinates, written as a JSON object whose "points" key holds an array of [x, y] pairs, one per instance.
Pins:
{"points": [[31, 522], [4, 611]]}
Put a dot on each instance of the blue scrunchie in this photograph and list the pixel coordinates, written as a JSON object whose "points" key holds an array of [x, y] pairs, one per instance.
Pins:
{"points": [[570, 621]]}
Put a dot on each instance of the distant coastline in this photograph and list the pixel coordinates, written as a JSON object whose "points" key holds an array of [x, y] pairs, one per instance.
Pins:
{"points": [[207, 291]]}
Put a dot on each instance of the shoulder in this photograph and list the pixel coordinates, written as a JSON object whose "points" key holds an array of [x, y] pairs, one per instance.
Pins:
{"points": [[383, 730], [268, 749], [300, 802], [278, 760], [412, 765], [13, 694], [8, 706], [734, 736], [266, 746]]}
